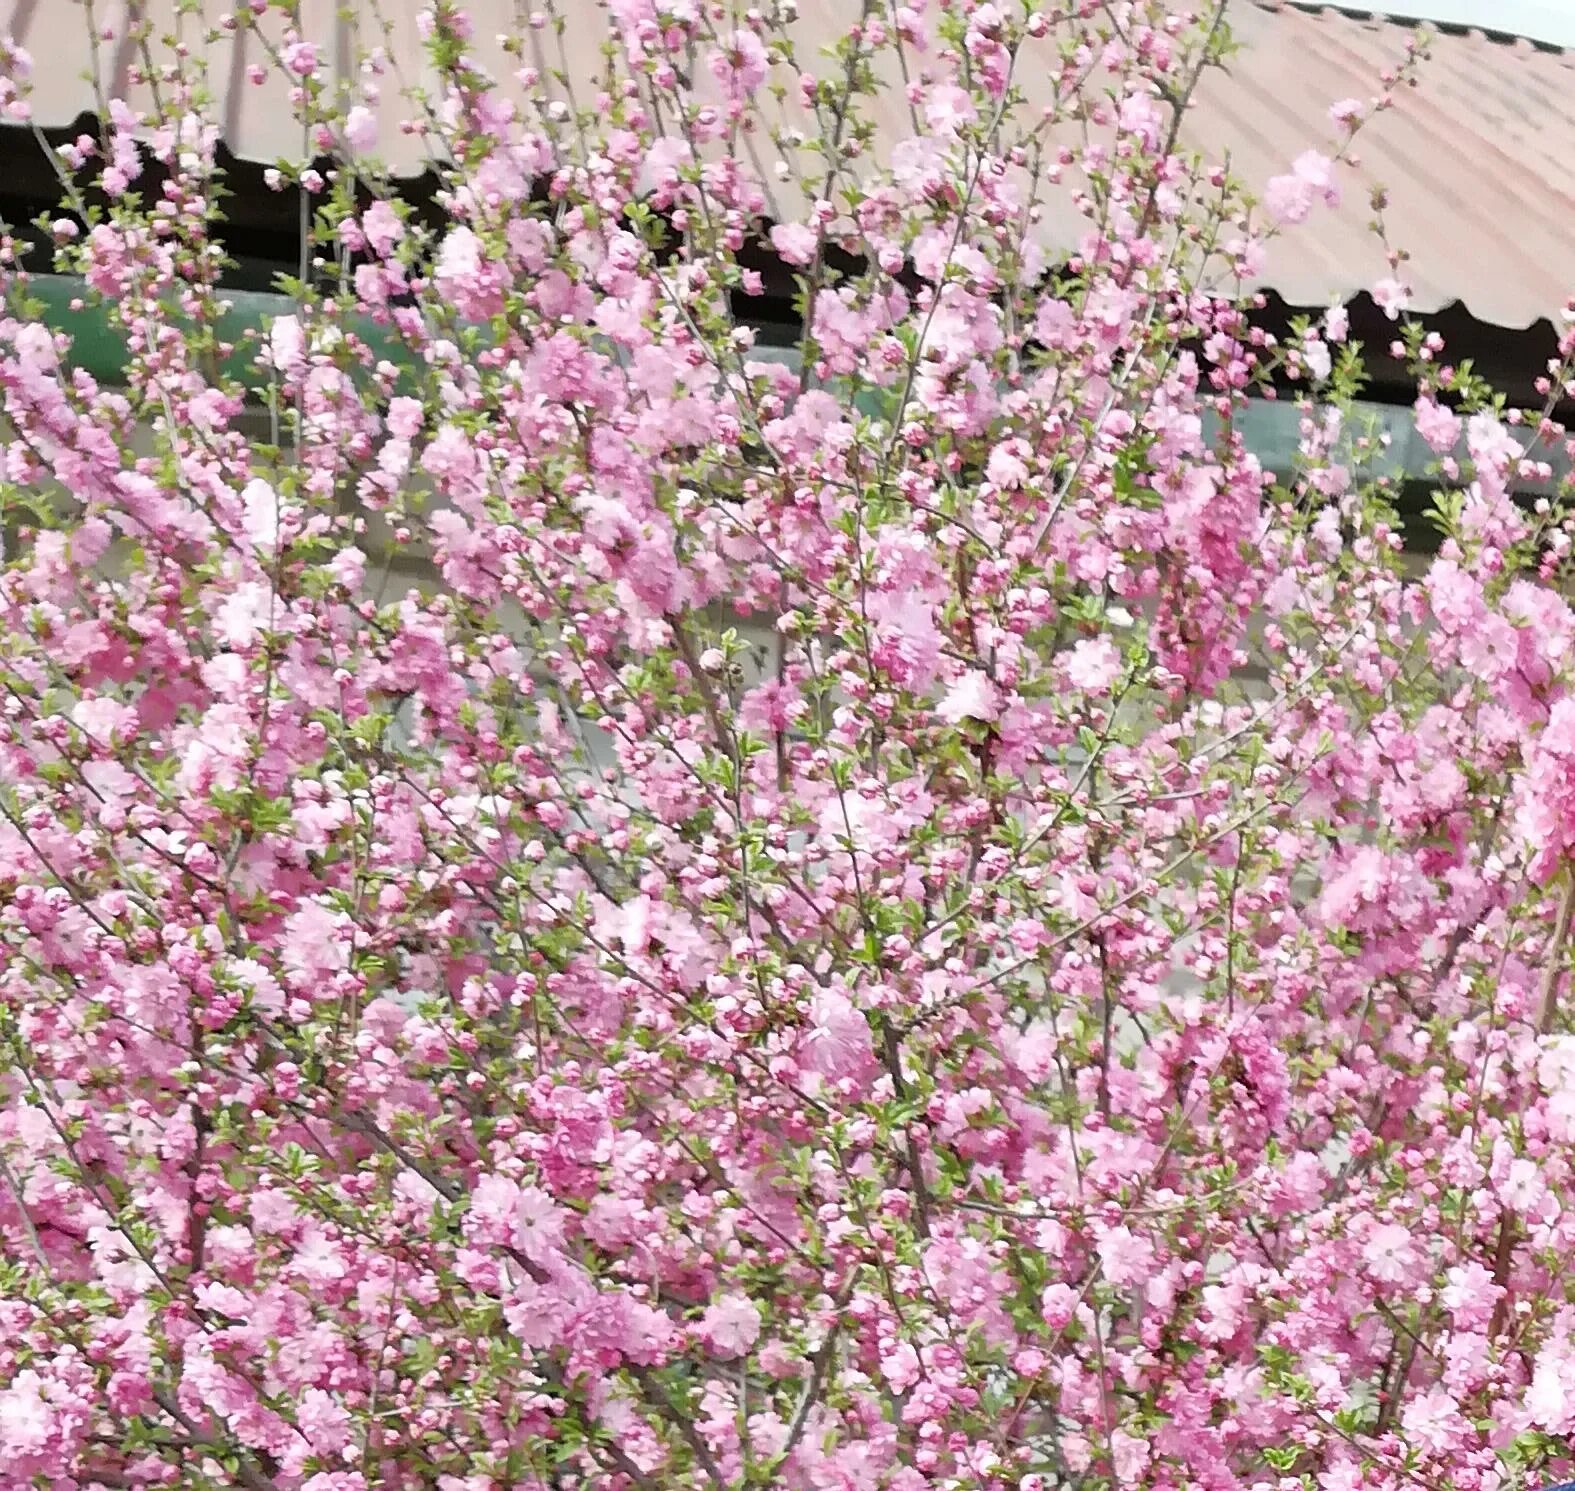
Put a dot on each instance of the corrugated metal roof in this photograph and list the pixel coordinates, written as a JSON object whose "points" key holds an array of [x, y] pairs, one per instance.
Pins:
{"points": [[1475, 160]]}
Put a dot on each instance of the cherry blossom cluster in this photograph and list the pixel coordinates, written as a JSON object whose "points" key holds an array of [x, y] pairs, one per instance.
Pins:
{"points": [[591, 901]]}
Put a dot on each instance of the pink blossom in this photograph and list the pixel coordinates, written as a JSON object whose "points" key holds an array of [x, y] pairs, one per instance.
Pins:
{"points": [[318, 945], [459, 259], [1550, 1399], [1124, 1257], [1546, 813], [1132, 1455], [26, 1419], [526, 1218], [286, 343], [361, 129], [1058, 1304], [740, 65], [261, 521], [104, 719], [1054, 322], [318, 1258], [1093, 665], [1290, 198], [772, 706], [795, 242], [838, 1042], [1434, 1419], [1141, 115], [404, 418], [900, 1366], [493, 1201], [1391, 297], [1437, 425], [731, 1326], [1390, 1253], [300, 57], [382, 227], [948, 109], [971, 697], [538, 1224], [1033, 1052], [324, 1422]]}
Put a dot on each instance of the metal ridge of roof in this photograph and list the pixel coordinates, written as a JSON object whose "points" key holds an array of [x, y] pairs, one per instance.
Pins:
{"points": [[1543, 24]]}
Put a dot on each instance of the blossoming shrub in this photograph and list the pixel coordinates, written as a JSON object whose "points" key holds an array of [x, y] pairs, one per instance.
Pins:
{"points": [[904, 918]]}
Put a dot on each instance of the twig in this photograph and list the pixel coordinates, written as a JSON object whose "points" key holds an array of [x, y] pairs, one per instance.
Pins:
{"points": [[819, 1369], [15, 1188], [1547, 1001]]}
